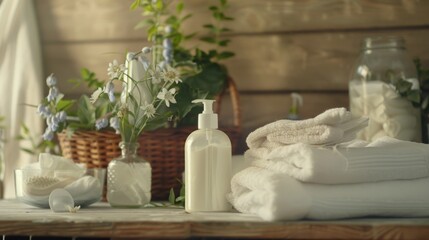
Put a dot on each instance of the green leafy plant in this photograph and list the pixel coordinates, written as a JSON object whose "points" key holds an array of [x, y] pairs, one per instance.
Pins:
{"points": [[418, 97], [147, 101], [37, 145], [216, 29], [68, 115], [164, 25], [179, 200], [423, 77]]}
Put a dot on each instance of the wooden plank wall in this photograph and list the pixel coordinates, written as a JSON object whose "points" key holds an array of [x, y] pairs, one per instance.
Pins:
{"points": [[282, 46]]}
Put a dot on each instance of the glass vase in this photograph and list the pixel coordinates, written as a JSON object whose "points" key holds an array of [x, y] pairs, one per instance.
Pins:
{"points": [[382, 71], [129, 179]]}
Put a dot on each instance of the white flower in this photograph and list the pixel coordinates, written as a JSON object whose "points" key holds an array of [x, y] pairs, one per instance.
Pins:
{"points": [[146, 63], [171, 75], [114, 123], [115, 70], [51, 80], [168, 29], [146, 50], [167, 96], [73, 209], [156, 76], [95, 95], [149, 110], [109, 89]]}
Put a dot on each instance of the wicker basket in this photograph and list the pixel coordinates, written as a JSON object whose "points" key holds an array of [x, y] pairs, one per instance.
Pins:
{"points": [[163, 148]]}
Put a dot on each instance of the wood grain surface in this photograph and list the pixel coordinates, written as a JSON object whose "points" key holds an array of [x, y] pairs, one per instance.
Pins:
{"points": [[312, 61], [100, 220], [281, 46], [106, 20], [347, 229]]}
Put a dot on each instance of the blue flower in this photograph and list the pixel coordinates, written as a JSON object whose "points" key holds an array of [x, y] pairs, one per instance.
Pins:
{"points": [[109, 89], [48, 135], [166, 43], [167, 54], [53, 123], [114, 123], [53, 94], [43, 111], [51, 80], [101, 123], [61, 116]]}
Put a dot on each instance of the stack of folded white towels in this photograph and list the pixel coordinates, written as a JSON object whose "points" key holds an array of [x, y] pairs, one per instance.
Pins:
{"points": [[315, 169]]}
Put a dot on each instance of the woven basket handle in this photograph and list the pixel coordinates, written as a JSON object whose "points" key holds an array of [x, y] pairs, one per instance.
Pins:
{"points": [[233, 93]]}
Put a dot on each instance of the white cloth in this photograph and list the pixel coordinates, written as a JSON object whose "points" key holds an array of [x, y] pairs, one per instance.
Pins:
{"points": [[355, 162], [331, 127], [20, 80], [275, 196]]}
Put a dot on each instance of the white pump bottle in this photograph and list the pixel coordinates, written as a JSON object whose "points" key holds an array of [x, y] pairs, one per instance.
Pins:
{"points": [[207, 164]]}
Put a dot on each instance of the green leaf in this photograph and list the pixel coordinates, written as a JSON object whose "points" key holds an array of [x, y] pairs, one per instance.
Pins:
{"points": [[135, 4], [172, 20], [182, 190], [211, 79], [172, 197], [224, 43], [25, 129], [144, 23], [224, 55], [29, 151], [159, 5], [187, 16], [64, 105], [180, 198], [86, 111], [214, 8], [223, 2], [208, 39], [189, 36], [218, 16], [209, 26], [179, 7], [403, 86], [414, 96]]}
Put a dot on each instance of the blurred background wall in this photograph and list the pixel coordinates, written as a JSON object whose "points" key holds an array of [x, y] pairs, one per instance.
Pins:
{"points": [[281, 46]]}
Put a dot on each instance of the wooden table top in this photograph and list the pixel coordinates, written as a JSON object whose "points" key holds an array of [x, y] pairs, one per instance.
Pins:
{"points": [[100, 220]]}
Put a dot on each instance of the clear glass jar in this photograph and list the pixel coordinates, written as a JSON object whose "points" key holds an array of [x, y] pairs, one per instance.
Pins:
{"points": [[129, 179], [382, 67]]}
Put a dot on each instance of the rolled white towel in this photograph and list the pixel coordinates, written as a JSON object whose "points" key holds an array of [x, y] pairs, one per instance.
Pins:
{"points": [[275, 196], [355, 162], [329, 128]]}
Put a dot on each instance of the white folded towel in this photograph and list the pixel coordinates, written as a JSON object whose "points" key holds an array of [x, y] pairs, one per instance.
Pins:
{"points": [[355, 162], [331, 127], [274, 196]]}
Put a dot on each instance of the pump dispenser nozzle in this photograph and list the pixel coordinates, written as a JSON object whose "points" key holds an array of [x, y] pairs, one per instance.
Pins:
{"points": [[207, 119]]}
